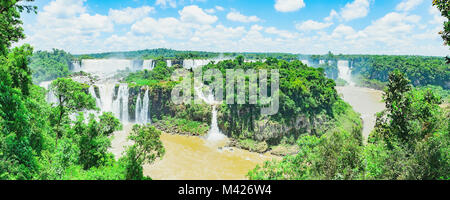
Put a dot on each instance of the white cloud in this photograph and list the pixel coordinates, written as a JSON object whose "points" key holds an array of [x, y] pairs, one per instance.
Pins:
{"points": [[220, 8], [392, 29], [355, 10], [66, 24], [281, 33], [288, 5], [195, 14], [129, 15], [210, 11], [163, 27], [312, 25], [238, 17], [407, 5], [166, 3], [437, 17], [65, 8], [80, 31], [333, 14], [343, 31]]}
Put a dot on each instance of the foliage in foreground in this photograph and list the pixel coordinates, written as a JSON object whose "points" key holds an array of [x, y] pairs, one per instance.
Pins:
{"points": [[410, 141], [39, 141]]}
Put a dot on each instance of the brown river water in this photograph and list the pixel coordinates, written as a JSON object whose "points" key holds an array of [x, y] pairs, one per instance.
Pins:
{"points": [[366, 101], [194, 158]]}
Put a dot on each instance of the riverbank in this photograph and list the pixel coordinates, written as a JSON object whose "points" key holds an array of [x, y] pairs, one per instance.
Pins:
{"points": [[366, 101], [194, 158]]}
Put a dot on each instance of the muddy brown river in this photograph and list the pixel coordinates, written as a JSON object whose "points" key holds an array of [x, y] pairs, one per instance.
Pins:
{"points": [[366, 101]]}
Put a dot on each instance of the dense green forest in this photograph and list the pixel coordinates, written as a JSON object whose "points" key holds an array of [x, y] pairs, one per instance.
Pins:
{"points": [[410, 141], [47, 66], [42, 141], [181, 55], [53, 141], [309, 104], [421, 70]]}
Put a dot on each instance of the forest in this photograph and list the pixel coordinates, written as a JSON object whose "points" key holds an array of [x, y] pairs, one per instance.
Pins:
{"points": [[60, 141]]}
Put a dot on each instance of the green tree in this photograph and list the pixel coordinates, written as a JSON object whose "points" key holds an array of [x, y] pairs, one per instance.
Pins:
{"points": [[410, 136], [146, 149], [94, 140], [10, 23], [444, 7], [17, 159], [71, 97]]}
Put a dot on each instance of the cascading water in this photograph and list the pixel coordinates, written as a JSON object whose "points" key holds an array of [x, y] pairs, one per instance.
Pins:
{"points": [[106, 67], [142, 109], [214, 133], [76, 66], [137, 112], [110, 99], [51, 98], [306, 62], [344, 72], [148, 64], [120, 104], [194, 64], [98, 102]]}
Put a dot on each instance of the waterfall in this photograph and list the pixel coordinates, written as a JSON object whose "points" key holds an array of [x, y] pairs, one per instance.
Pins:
{"points": [[142, 109], [214, 133], [51, 98], [120, 105], [169, 63], [137, 112], [104, 67], [76, 66], [344, 72], [148, 64], [193, 64], [98, 102], [306, 62]]}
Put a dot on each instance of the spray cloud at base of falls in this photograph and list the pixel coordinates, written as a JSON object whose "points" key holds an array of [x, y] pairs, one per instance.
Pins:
{"points": [[113, 96], [345, 72]]}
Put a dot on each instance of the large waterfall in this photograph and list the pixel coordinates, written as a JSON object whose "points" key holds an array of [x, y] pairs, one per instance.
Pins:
{"points": [[306, 62], [120, 104], [51, 98], [344, 72], [193, 64], [112, 96], [214, 133], [142, 109], [105, 67], [148, 64]]}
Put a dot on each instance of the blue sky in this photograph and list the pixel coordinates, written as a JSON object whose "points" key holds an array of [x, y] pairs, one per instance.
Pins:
{"points": [[294, 26]]}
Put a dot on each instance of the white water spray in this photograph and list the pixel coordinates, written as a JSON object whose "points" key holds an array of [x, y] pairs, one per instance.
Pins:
{"points": [[120, 105], [344, 72], [142, 109], [214, 133]]}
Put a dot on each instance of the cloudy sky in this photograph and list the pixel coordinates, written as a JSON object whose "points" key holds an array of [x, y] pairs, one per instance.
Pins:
{"points": [[294, 26]]}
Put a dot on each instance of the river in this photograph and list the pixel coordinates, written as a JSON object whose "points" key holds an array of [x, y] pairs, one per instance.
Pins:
{"points": [[366, 101], [197, 158], [194, 158]]}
